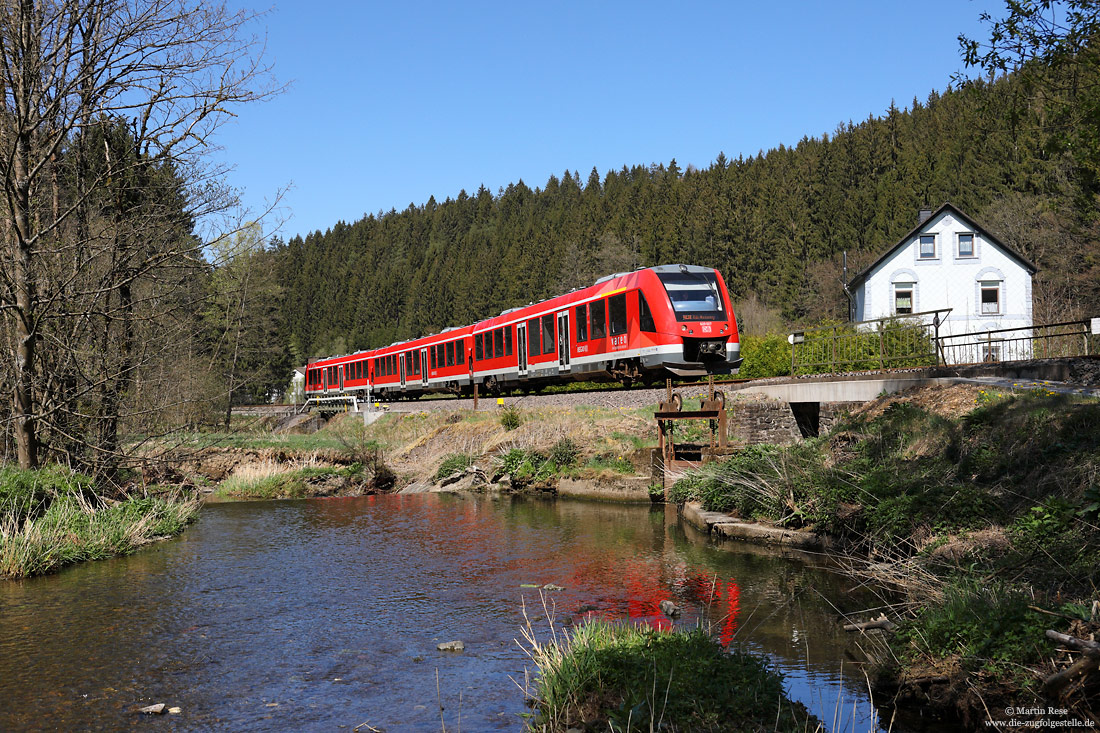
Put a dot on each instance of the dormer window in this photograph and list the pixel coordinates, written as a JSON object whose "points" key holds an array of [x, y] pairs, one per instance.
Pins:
{"points": [[928, 246], [966, 245]]}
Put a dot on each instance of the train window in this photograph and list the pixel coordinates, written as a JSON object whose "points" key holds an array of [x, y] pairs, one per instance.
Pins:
{"points": [[416, 362], [534, 346], [450, 353], [498, 342], [645, 315], [616, 309], [548, 333], [695, 296], [582, 323], [431, 355], [507, 340], [479, 352], [598, 320], [460, 352]]}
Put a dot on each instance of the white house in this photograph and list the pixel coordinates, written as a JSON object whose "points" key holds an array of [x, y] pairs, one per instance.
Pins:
{"points": [[949, 261]]}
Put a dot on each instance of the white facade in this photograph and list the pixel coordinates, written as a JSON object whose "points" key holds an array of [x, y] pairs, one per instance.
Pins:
{"points": [[948, 261]]}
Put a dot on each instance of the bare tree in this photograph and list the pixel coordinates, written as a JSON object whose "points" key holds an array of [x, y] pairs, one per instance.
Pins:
{"points": [[107, 117]]}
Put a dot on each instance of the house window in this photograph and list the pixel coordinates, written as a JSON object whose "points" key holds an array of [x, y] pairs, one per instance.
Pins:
{"points": [[966, 245], [991, 298], [903, 298], [928, 246]]}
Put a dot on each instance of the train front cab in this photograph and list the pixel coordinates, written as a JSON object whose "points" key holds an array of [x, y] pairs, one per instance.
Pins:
{"points": [[697, 321]]}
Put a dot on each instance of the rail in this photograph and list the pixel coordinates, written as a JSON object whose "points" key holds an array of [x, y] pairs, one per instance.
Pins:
{"points": [[899, 341]]}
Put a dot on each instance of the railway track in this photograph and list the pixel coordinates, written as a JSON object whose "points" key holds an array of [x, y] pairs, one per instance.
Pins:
{"points": [[617, 396]]}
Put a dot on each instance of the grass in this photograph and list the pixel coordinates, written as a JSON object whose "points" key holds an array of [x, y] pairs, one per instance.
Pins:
{"points": [[635, 678], [280, 480], [51, 518]]}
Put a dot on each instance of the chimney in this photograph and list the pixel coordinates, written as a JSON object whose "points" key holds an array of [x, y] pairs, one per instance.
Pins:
{"points": [[923, 216]]}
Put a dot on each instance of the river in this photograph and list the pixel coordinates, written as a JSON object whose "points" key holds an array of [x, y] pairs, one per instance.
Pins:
{"points": [[325, 614]]}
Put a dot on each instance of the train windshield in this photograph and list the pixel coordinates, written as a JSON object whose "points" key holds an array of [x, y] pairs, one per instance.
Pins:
{"points": [[695, 296]]}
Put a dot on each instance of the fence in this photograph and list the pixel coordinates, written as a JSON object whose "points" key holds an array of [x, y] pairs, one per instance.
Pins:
{"points": [[915, 340], [900, 341], [1048, 341]]}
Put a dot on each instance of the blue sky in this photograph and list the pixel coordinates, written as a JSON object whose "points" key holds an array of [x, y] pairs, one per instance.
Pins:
{"points": [[392, 102]]}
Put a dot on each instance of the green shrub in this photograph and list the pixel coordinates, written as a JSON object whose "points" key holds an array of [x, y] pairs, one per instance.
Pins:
{"points": [[643, 679], [564, 453], [526, 467], [984, 624], [509, 418], [453, 464], [765, 356], [27, 494]]}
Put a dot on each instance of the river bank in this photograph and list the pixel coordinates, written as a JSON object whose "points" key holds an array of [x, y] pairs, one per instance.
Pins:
{"points": [[53, 517], [979, 507]]}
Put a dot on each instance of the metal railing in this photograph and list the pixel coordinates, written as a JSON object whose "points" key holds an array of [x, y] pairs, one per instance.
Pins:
{"points": [[899, 341], [914, 340], [1048, 341]]}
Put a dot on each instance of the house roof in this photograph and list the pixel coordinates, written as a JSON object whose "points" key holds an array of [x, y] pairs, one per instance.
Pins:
{"points": [[946, 207]]}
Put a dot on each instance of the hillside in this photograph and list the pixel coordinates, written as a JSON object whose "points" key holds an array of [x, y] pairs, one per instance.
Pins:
{"points": [[775, 225]]}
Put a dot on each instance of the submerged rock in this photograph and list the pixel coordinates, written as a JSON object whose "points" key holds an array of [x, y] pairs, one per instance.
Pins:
{"points": [[157, 709], [451, 646], [670, 609]]}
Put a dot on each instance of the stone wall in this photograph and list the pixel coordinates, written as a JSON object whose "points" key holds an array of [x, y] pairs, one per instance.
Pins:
{"points": [[762, 420]]}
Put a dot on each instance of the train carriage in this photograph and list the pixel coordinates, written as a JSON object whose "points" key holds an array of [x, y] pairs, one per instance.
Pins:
{"points": [[637, 326]]}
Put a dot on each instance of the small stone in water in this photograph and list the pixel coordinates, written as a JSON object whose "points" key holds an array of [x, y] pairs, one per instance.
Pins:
{"points": [[157, 709], [175, 711], [451, 646], [551, 586]]}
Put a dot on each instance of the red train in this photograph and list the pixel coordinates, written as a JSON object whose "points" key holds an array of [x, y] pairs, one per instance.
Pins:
{"points": [[636, 326]]}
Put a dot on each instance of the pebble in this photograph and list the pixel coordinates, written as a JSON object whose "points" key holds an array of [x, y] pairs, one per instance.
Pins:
{"points": [[451, 646]]}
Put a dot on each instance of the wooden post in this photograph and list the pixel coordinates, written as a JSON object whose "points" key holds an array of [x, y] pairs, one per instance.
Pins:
{"points": [[475, 396]]}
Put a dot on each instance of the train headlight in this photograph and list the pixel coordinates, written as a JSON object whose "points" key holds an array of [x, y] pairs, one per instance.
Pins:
{"points": [[683, 327]]}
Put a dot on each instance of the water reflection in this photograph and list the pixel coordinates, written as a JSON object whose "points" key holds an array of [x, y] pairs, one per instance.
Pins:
{"points": [[315, 614]]}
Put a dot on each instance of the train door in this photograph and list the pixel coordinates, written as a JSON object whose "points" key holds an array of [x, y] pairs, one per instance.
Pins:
{"points": [[521, 348], [563, 341], [340, 375], [424, 367], [401, 368]]}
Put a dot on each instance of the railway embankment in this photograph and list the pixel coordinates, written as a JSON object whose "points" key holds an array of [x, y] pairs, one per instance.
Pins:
{"points": [[976, 512]]}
